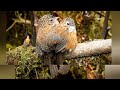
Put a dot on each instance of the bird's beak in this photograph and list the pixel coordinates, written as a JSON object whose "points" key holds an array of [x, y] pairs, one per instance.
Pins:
{"points": [[57, 18]]}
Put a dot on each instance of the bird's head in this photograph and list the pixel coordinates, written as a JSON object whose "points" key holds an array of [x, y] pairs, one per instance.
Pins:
{"points": [[48, 20], [70, 24]]}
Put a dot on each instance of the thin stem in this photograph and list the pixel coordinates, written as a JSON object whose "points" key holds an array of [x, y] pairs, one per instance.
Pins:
{"points": [[11, 26]]}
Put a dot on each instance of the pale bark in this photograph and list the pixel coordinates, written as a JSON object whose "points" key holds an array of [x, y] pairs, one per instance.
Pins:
{"points": [[91, 48]]}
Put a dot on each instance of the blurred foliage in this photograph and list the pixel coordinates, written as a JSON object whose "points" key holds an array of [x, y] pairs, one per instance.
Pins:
{"points": [[28, 65]]}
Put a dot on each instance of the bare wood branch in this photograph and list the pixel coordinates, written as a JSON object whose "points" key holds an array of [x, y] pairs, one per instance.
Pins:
{"points": [[18, 20], [11, 26], [21, 20], [91, 48]]}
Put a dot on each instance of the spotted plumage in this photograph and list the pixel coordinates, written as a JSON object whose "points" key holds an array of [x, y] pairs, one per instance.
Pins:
{"points": [[47, 21]]}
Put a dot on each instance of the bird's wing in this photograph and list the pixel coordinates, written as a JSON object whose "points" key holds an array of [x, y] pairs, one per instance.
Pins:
{"points": [[55, 42], [61, 45], [41, 40], [59, 38]]}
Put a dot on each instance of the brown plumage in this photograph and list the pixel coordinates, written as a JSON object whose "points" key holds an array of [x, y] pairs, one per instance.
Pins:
{"points": [[45, 24], [69, 34], [67, 31], [56, 38]]}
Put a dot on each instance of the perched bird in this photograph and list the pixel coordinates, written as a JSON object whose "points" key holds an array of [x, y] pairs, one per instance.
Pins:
{"points": [[69, 32], [45, 25], [68, 38], [56, 38]]}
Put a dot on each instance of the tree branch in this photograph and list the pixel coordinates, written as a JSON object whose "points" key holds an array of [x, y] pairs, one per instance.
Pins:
{"points": [[86, 49], [33, 27], [105, 25], [18, 20], [21, 20], [11, 26], [91, 48]]}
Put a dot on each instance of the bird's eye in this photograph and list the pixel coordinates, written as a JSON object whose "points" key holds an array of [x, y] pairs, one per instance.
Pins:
{"points": [[68, 24], [51, 20]]}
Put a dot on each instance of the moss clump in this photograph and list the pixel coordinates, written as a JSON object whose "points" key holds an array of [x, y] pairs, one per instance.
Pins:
{"points": [[27, 63]]}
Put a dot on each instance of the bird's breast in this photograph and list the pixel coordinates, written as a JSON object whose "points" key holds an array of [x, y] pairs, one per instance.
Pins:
{"points": [[72, 42]]}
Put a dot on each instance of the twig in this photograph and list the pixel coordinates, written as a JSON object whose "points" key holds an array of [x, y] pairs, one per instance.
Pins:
{"points": [[11, 26], [18, 20], [21, 20], [36, 73]]}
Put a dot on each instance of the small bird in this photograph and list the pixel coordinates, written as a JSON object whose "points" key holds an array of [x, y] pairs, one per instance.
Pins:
{"points": [[45, 25], [71, 34], [67, 41]]}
